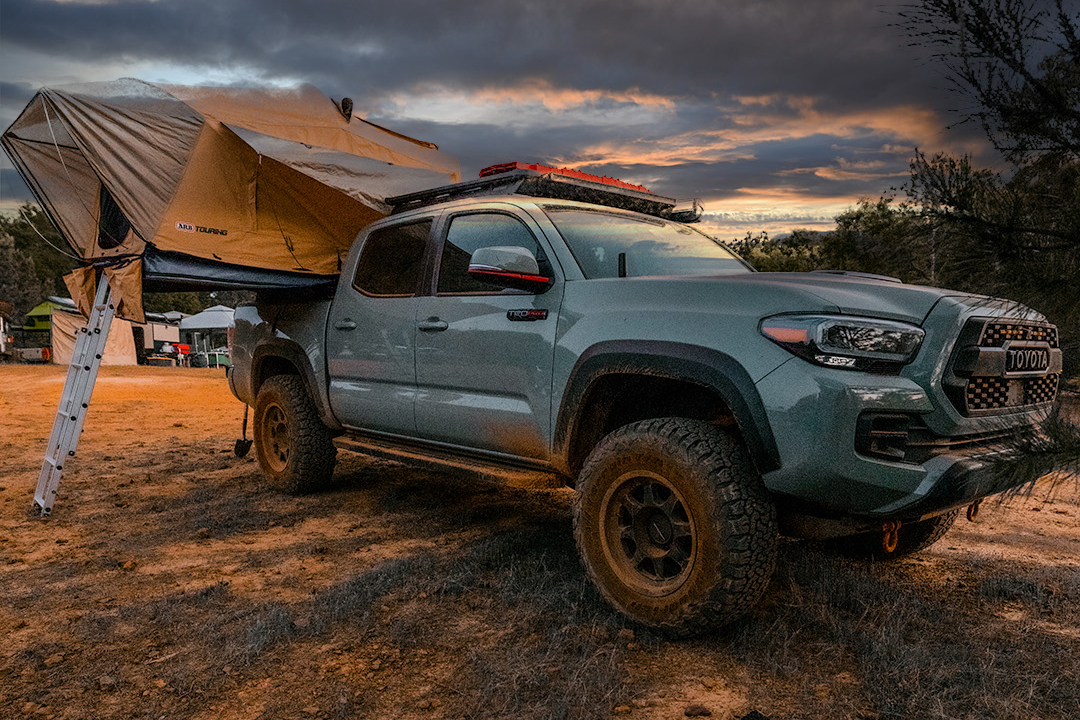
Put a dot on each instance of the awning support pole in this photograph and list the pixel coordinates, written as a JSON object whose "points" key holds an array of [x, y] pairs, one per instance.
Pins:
{"points": [[79, 386]]}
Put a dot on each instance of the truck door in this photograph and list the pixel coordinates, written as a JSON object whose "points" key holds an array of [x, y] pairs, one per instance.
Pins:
{"points": [[483, 365], [370, 334]]}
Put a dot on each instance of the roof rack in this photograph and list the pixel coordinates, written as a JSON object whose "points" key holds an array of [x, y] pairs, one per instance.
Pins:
{"points": [[558, 184]]}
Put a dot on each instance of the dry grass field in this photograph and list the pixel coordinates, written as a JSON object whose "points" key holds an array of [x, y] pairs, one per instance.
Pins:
{"points": [[170, 582]]}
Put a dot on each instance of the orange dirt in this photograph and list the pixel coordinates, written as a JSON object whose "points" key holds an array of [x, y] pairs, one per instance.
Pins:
{"points": [[170, 582]]}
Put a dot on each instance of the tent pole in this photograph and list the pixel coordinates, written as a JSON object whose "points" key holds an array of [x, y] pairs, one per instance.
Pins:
{"points": [[75, 400]]}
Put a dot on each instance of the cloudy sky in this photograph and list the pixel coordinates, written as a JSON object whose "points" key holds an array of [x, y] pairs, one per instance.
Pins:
{"points": [[775, 113]]}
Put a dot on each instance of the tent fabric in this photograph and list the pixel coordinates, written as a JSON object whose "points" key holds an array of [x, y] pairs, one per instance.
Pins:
{"points": [[272, 179], [82, 284], [124, 277], [167, 271], [119, 347]]}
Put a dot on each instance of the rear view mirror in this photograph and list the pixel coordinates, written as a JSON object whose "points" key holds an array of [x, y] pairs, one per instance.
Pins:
{"points": [[508, 266]]}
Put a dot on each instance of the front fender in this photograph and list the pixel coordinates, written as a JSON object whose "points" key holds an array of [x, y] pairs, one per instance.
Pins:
{"points": [[702, 366]]}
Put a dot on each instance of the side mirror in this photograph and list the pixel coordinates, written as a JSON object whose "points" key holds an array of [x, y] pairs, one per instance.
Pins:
{"points": [[508, 266]]}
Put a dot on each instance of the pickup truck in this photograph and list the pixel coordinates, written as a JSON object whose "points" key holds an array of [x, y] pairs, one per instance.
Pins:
{"points": [[559, 325]]}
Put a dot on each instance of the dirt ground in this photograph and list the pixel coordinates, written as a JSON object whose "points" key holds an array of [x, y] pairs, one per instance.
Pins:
{"points": [[170, 582]]}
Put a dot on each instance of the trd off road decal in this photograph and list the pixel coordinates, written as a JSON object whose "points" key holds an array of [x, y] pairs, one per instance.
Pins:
{"points": [[526, 315]]}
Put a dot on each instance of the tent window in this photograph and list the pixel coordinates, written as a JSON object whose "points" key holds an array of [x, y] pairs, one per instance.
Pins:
{"points": [[113, 227]]}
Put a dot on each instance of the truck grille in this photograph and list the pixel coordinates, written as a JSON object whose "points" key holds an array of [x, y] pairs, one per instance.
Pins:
{"points": [[1004, 365], [996, 334], [991, 393], [984, 393], [1040, 390]]}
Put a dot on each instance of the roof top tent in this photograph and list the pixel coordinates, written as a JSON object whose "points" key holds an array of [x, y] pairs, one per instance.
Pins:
{"points": [[212, 187], [170, 187]]}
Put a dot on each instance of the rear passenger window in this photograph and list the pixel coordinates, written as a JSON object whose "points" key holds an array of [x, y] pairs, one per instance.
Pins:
{"points": [[392, 260]]}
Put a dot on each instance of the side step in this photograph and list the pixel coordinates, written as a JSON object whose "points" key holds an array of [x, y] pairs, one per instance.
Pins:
{"points": [[438, 459]]}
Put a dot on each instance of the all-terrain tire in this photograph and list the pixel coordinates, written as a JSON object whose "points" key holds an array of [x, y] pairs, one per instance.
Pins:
{"points": [[911, 538], [295, 449], [674, 525]]}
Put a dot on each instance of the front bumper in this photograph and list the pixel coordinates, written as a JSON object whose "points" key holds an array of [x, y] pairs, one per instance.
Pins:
{"points": [[815, 414]]}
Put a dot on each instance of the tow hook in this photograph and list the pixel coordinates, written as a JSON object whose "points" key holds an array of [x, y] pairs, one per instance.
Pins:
{"points": [[973, 510], [890, 536]]}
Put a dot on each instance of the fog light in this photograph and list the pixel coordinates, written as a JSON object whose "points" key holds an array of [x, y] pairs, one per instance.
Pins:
{"points": [[882, 435]]}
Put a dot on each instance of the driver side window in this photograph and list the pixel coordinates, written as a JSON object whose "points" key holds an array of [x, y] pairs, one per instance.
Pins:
{"points": [[469, 233]]}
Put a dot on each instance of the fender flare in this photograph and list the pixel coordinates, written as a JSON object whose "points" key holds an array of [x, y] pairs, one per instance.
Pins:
{"points": [[291, 352], [709, 368]]}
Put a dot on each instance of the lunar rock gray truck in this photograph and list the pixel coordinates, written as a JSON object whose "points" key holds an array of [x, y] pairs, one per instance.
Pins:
{"points": [[545, 323]]}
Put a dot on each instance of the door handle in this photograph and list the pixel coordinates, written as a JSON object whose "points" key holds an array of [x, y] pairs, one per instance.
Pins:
{"points": [[345, 324], [433, 325]]}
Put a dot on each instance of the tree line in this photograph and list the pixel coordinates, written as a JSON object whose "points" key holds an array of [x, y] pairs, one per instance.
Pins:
{"points": [[1013, 232]]}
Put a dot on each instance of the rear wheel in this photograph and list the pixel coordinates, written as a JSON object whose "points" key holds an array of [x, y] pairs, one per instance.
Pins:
{"points": [[294, 448], [674, 526], [910, 538]]}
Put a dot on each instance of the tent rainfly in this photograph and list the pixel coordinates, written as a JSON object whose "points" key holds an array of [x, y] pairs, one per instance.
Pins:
{"points": [[212, 187]]}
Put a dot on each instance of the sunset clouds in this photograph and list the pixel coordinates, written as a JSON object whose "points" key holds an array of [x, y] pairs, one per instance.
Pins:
{"points": [[776, 114]]}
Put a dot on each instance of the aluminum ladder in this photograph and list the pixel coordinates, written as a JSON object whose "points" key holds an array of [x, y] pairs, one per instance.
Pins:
{"points": [[81, 376]]}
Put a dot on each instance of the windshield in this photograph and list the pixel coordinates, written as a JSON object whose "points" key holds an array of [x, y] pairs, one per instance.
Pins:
{"points": [[651, 246]]}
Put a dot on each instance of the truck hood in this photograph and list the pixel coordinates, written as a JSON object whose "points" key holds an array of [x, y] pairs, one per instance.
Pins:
{"points": [[858, 294]]}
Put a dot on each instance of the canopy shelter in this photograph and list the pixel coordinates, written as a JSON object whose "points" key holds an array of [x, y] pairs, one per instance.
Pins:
{"points": [[200, 187], [218, 317], [207, 333]]}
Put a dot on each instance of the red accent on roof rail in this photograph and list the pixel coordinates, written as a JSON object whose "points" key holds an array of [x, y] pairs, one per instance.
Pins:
{"points": [[510, 166]]}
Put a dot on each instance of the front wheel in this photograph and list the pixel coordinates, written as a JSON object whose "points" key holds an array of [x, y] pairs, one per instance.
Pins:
{"points": [[674, 526], [294, 448]]}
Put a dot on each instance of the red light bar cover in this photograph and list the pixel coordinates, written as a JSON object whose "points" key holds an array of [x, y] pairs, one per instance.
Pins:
{"points": [[508, 167]]}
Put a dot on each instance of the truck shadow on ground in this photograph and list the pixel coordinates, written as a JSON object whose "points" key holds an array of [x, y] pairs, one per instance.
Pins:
{"points": [[191, 591]]}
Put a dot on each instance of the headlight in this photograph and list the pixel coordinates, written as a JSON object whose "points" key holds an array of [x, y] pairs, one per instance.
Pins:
{"points": [[853, 343]]}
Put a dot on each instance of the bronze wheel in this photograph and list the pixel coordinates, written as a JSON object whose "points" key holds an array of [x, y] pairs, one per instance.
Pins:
{"points": [[274, 430], [674, 526], [648, 534], [294, 448]]}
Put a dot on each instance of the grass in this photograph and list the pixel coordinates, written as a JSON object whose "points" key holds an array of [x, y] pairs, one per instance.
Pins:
{"points": [[918, 653], [486, 613]]}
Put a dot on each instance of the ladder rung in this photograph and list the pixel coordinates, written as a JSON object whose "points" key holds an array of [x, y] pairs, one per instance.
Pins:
{"points": [[89, 347]]}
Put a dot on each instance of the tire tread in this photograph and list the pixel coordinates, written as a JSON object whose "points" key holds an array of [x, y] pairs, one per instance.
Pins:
{"points": [[743, 508]]}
